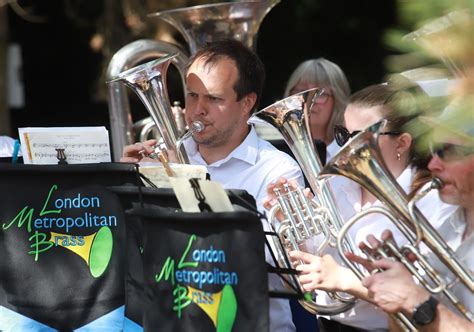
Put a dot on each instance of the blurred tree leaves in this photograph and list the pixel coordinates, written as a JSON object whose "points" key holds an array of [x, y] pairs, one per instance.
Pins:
{"points": [[433, 33]]}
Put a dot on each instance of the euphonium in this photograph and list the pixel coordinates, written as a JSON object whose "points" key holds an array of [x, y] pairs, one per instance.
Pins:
{"points": [[148, 81], [360, 160], [130, 55], [199, 25], [291, 117]]}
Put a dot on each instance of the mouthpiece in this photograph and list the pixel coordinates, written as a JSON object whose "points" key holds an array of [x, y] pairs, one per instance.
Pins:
{"points": [[196, 127], [436, 183]]}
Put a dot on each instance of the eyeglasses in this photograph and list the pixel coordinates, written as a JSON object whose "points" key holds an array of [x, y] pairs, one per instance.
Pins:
{"points": [[322, 98], [342, 135], [450, 152]]}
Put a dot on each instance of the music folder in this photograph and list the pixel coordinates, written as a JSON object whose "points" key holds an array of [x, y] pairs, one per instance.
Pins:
{"points": [[62, 246]]}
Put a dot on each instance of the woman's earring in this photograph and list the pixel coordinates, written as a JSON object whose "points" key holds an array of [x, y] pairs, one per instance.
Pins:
{"points": [[398, 156]]}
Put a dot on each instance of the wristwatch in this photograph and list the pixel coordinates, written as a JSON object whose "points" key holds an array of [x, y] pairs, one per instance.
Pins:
{"points": [[425, 312]]}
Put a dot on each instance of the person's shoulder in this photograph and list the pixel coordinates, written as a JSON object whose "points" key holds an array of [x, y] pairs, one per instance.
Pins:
{"points": [[7, 140], [6, 146]]}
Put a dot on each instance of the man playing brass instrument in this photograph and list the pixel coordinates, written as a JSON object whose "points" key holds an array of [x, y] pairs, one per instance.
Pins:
{"points": [[224, 83], [394, 289]]}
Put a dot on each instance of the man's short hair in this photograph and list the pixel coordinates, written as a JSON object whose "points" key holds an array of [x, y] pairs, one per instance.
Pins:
{"points": [[250, 68]]}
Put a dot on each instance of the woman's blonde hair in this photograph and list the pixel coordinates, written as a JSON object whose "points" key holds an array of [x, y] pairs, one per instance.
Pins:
{"points": [[321, 71]]}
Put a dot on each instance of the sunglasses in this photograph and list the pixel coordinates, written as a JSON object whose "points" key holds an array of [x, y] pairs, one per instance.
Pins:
{"points": [[342, 135], [450, 152]]}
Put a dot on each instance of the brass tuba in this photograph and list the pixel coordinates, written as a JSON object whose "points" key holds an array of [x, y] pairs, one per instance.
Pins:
{"points": [[290, 117], [360, 160], [199, 25]]}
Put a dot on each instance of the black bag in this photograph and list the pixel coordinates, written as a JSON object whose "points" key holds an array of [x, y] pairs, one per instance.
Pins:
{"points": [[62, 247], [201, 271]]}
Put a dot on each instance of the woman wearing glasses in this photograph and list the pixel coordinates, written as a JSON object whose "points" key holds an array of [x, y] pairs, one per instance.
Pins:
{"points": [[365, 108], [328, 110]]}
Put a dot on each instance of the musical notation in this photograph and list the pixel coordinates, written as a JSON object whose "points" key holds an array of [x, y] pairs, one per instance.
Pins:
{"points": [[72, 156], [65, 146], [77, 144]]}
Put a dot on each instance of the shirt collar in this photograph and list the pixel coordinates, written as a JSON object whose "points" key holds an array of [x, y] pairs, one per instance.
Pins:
{"points": [[404, 179], [247, 151], [458, 220], [331, 150]]}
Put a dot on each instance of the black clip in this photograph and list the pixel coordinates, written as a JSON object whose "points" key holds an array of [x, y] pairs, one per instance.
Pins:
{"points": [[61, 157], [203, 206]]}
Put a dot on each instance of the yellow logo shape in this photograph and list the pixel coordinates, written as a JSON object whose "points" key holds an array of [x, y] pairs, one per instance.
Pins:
{"points": [[223, 309], [95, 250]]}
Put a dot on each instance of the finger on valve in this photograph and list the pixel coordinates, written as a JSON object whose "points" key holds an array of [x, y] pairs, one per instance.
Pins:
{"points": [[138, 151]]}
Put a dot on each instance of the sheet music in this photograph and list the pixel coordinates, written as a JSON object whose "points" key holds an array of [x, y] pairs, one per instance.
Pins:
{"points": [[156, 173], [81, 145], [214, 193]]}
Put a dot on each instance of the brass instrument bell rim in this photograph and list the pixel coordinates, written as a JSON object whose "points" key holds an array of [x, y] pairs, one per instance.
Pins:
{"points": [[281, 101], [162, 13], [144, 69]]}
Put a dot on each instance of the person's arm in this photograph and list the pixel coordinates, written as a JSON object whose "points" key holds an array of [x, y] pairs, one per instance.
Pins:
{"points": [[446, 320], [394, 290], [137, 152], [324, 273]]}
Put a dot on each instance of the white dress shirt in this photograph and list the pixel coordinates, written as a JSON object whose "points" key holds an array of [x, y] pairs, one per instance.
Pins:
{"points": [[452, 231], [6, 146], [364, 315], [331, 150], [252, 166]]}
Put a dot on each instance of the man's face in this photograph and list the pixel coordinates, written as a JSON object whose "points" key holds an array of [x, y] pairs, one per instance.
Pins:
{"points": [[455, 168], [211, 99]]}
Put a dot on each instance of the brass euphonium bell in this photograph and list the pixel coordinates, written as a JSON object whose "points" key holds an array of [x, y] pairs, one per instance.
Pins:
{"points": [[121, 124], [360, 160], [199, 25], [148, 81], [290, 117]]}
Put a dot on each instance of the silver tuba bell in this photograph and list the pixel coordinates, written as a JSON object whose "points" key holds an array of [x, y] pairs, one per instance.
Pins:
{"points": [[290, 117], [206, 23], [360, 160], [199, 25]]}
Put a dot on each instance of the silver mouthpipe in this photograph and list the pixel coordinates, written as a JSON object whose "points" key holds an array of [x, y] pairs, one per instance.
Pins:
{"points": [[196, 127]]}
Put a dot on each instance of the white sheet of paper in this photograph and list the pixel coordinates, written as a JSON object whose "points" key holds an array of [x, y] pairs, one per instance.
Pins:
{"points": [[156, 173], [213, 191], [82, 145]]}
